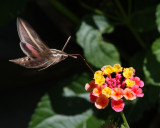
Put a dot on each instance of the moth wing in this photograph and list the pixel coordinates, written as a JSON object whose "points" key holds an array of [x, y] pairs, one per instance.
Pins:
{"points": [[30, 51], [28, 35]]}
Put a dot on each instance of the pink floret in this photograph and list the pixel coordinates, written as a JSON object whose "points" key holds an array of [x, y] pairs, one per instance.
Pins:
{"points": [[92, 97], [117, 105], [138, 82], [137, 91]]}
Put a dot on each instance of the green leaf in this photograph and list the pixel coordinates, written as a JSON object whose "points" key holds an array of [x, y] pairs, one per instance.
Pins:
{"points": [[43, 111], [151, 64], [140, 17], [45, 117], [68, 92], [57, 110], [89, 36], [156, 49], [11, 9], [102, 24], [76, 88], [151, 70], [158, 17]]}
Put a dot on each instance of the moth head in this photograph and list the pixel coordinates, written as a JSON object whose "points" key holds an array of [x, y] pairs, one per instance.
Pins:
{"points": [[64, 56]]}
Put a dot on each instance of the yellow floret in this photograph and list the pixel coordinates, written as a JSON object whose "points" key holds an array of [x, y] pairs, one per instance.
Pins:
{"points": [[128, 72], [107, 91], [98, 73], [117, 68], [108, 70], [99, 80], [129, 83]]}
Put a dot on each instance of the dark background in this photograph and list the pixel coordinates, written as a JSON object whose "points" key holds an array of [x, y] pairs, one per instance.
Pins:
{"points": [[20, 88]]}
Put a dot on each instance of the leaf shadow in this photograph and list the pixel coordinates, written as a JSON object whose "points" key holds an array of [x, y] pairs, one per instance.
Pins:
{"points": [[88, 19], [67, 105], [153, 67]]}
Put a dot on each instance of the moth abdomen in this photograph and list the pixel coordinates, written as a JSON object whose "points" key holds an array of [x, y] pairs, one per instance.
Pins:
{"points": [[29, 62]]}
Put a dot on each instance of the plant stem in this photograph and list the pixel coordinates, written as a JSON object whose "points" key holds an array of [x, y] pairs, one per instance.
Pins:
{"points": [[97, 11], [62, 8], [128, 24], [124, 119], [136, 35], [121, 10], [129, 8]]}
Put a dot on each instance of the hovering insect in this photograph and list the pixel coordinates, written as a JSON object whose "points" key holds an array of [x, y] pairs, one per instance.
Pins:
{"points": [[39, 55]]}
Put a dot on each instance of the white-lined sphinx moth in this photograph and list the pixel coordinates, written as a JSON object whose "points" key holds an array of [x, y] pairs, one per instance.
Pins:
{"points": [[39, 55]]}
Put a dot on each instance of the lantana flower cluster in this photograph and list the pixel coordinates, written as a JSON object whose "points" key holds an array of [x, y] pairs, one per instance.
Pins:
{"points": [[114, 84]]}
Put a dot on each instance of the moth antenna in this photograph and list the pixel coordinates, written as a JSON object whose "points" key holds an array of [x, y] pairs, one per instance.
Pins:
{"points": [[84, 61], [66, 43]]}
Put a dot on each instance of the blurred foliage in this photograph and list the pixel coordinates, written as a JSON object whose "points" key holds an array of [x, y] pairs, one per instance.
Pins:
{"points": [[109, 32], [158, 17], [60, 110]]}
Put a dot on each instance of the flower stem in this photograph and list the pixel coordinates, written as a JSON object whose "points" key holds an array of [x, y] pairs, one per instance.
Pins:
{"points": [[128, 24], [124, 119], [129, 8], [62, 8]]}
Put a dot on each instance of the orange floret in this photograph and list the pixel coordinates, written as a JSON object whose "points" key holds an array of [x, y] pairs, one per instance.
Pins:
{"points": [[101, 102], [117, 93], [97, 91], [129, 94]]}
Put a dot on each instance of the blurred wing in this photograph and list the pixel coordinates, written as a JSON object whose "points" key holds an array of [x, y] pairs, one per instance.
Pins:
{"points": [[30, 51], [28, 35]]}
